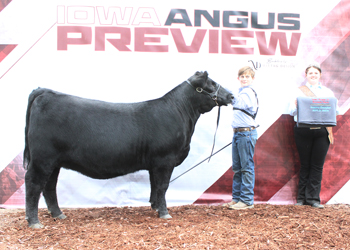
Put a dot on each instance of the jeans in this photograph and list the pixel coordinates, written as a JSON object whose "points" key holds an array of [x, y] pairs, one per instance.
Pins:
{"points": [[243, 145], [312, 145]]}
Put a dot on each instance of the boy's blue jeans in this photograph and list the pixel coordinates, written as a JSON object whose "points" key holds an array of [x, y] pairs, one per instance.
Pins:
{"points": [[243, 145]]}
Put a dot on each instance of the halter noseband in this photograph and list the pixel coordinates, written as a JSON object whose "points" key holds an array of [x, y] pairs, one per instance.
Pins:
{"points": [[213, 96]]}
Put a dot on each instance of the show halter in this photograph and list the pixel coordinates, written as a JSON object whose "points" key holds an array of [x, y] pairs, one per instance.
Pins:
{"points": [[214, 97]]}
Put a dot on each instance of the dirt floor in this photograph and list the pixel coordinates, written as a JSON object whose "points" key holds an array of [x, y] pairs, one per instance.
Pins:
{"points": [[192, 227]]}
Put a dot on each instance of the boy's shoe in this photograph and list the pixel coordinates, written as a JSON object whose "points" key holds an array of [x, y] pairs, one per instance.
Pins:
{"points": [[229, 204], [240, 206]]}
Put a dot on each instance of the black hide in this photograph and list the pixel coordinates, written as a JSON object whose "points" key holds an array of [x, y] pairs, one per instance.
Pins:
{"points": [[103, 140]]}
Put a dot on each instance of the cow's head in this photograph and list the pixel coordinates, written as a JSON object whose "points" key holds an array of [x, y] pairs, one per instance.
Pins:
{"points": [[213, 93]]}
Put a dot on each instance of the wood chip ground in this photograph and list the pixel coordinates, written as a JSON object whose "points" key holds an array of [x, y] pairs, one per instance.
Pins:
{"points": [[192, 227]]}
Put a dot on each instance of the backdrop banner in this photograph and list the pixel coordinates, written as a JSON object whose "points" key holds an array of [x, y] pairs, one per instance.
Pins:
{"points": [[132, 51]]}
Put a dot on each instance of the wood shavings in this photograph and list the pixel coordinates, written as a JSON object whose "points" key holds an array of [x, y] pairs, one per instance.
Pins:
{"points": [[192, 227]]}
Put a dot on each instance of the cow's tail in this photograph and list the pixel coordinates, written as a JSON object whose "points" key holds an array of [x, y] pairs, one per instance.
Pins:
{"points": [[26, 153]]}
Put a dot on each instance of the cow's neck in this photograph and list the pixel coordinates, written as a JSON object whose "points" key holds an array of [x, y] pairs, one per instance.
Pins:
{"points": [[185, 99]]}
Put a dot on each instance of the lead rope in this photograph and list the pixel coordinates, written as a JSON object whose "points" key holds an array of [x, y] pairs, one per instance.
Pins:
{"points": [[217, 125], [200, 162], [212, 150]]}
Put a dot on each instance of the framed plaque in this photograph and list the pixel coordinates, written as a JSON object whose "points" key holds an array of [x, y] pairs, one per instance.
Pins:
{"points": [[316, 112]]}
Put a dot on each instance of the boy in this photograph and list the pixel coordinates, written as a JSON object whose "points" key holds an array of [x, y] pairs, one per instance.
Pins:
{"points": [[245, 108]]}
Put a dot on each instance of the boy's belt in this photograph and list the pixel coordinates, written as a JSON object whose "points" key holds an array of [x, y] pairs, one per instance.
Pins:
{"points": [[243, 129]]}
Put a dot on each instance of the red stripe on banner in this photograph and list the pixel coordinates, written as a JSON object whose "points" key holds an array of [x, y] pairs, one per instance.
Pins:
{"points": [[334, 30], [327, 34], [330, 32], [276, 162], [328, 43], [276, 158], [11, 179], [3, 4], [336, 71], [336, 171], [219, 192], [6, 49], [28, 50]]}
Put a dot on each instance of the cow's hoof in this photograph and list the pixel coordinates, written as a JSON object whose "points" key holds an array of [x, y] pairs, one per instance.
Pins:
{"points": [[61, 217], [166, 216], [36, 226]]}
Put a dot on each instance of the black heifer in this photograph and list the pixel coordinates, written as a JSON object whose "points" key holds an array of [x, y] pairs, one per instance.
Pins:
{"points": [[104, 140]]}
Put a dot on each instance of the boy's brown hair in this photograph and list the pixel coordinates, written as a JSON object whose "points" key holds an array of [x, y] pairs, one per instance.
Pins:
{"points": [[246, 70]]}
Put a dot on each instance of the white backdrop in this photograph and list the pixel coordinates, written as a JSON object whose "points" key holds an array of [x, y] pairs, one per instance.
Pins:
{"points": [[132, 76]]}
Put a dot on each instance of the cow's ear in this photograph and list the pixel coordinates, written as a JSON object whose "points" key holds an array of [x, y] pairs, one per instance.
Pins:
{"points": [[198, 73], [205, 75]]}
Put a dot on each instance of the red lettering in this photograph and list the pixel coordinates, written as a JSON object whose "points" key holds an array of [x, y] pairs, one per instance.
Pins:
{"points": [[141, 39], [227, 41], [180, 41], [147, 39], [275, 37], [63, 40], [213, 41], [120, 44]]}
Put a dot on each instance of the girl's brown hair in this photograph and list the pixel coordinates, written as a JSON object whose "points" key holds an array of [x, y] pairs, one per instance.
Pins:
{"points": [[313, 66]]}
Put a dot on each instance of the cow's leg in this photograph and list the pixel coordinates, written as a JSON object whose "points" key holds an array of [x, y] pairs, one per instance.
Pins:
{"points": [[153, 197], [161, 177], [50, 195], [34, 183]]}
